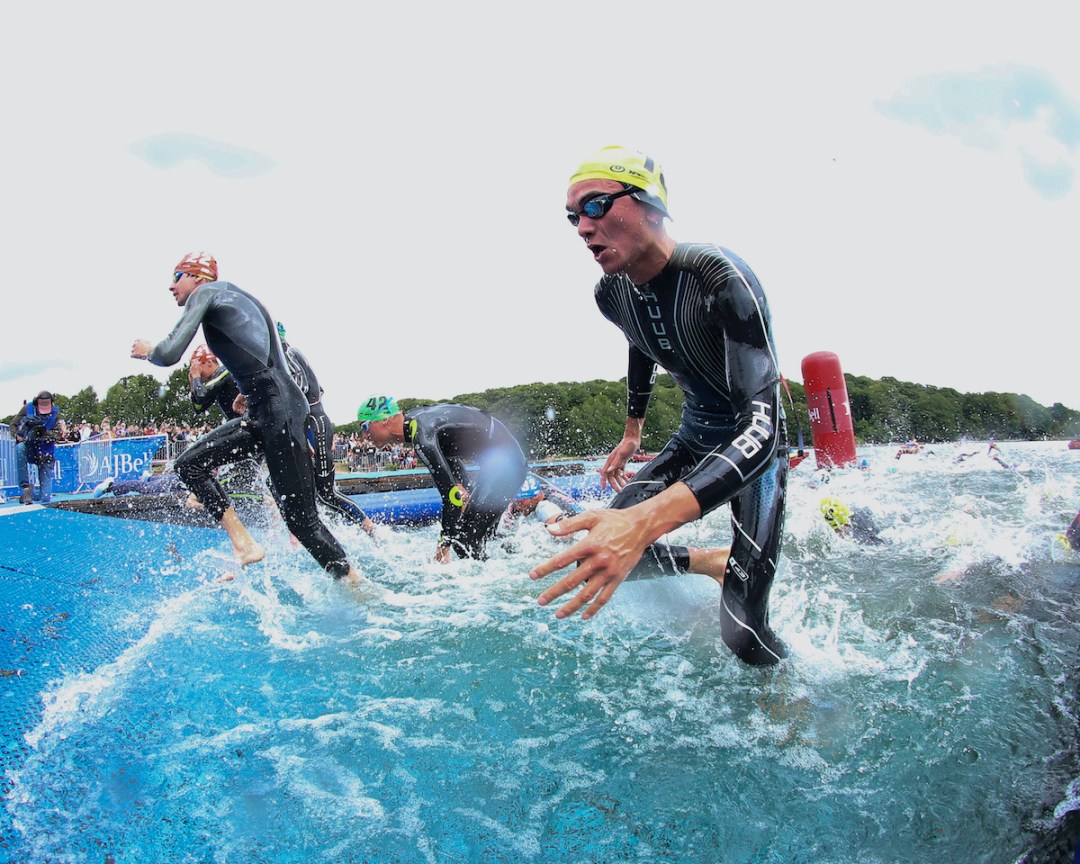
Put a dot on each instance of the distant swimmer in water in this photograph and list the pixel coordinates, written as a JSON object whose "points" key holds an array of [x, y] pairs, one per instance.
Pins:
{"points": [[909, 448], [539, 499], [446, 437], [242, 334], [698, 311], [854, 522], [1071, 537], [994, 452]]}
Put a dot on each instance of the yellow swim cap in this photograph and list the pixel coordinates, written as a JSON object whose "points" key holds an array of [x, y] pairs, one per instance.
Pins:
{"points": [[835, 512], [630, 167]]}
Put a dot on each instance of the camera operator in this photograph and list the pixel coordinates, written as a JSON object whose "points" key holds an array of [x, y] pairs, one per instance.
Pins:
{"points": [[37, 429]]}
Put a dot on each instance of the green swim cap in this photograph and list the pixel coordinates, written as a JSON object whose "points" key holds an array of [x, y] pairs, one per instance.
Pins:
{"points": [[377, 408], [630, 167]]}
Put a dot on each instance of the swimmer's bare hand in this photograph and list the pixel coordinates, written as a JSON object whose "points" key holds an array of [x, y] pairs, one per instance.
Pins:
{"points": [[604, 558], [613, 473], [141, 348], [442, 555]]}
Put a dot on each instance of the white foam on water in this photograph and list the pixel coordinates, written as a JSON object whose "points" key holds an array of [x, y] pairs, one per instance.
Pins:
{"points": [[84, 697]]}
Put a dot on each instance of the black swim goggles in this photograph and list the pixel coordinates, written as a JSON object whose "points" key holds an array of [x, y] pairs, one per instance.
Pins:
{"points": [[596, 208]]}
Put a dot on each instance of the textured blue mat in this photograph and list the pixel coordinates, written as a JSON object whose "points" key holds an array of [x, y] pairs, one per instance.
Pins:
{"points": [[71, 590]]}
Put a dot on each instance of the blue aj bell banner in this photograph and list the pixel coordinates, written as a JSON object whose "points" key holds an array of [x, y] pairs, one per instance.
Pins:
{"points": [[87, 464]]}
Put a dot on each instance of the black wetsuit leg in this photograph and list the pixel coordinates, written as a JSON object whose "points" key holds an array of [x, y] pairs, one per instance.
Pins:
{"points": [[501, 473], [1072, 534], [757, 522], [279, 426], [230, 442], [320, 437], [757, 515]]}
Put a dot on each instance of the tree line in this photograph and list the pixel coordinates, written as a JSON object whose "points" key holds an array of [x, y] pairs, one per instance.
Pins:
{"points": [[577, 419]]}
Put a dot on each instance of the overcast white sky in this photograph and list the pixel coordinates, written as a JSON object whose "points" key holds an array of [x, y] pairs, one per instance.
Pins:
{"points": [[390, 180]]}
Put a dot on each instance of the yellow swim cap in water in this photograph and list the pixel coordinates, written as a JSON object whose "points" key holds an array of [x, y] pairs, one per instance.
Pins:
{"points": [[627, 166], [835, 512]]}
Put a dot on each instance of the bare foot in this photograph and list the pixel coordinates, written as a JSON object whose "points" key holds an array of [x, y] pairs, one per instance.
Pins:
{"points": [[947, 576], [249, 554], [365, 589], [711, 562]]}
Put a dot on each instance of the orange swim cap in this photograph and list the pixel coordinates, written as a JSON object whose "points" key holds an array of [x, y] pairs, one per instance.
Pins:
{"points": [[202, 354], [198, 264]]}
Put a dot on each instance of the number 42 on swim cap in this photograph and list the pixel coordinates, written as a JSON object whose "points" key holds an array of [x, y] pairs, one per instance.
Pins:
{"points": [[376, 408]]}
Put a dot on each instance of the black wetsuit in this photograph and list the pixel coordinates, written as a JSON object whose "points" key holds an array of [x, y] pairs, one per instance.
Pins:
{"points": [[320, 436], [243, 336], [221, 390], [705, 320], [204, 456], [445, 438], [1072, 534], [863, 527]]}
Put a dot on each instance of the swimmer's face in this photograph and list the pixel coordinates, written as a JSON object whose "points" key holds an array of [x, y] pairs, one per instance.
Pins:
{"points": [[378, 432], [526, 505], [619, 238], [183, 286]]}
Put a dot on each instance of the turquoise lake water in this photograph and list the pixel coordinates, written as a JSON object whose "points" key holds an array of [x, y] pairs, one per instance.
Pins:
{"points": [[929, 710]]}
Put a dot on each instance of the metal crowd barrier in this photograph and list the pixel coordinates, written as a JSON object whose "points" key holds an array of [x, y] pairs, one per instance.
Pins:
{"points": [[9, 476]]}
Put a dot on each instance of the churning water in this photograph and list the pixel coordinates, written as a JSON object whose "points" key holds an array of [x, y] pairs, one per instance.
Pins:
{"points": [[928, 712]]}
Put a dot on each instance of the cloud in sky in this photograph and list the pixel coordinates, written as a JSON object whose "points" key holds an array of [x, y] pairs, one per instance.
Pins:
{"points": [[1000, 108], [24, 369], [226, 160]]}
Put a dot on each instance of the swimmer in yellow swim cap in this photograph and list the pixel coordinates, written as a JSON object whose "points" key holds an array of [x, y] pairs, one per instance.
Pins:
{"points": [[700, 307], [836, 513], [640, 175], [856, 523]]}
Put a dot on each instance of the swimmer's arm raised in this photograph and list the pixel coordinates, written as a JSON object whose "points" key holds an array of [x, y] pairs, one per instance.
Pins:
{"points": [[170, 349]]}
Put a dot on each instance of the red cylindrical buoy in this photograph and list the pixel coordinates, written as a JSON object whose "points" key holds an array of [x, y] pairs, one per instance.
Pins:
{"points": [[830, 411]]}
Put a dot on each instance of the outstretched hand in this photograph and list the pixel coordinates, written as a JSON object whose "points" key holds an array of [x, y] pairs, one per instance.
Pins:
{"points": [[140, 349], [614, 544]]}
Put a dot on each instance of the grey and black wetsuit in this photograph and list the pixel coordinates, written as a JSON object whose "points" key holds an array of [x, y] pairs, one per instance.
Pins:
{"points": [[221, 390], [705, 320], [320, 437], [446, 437], [243, 336]]}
